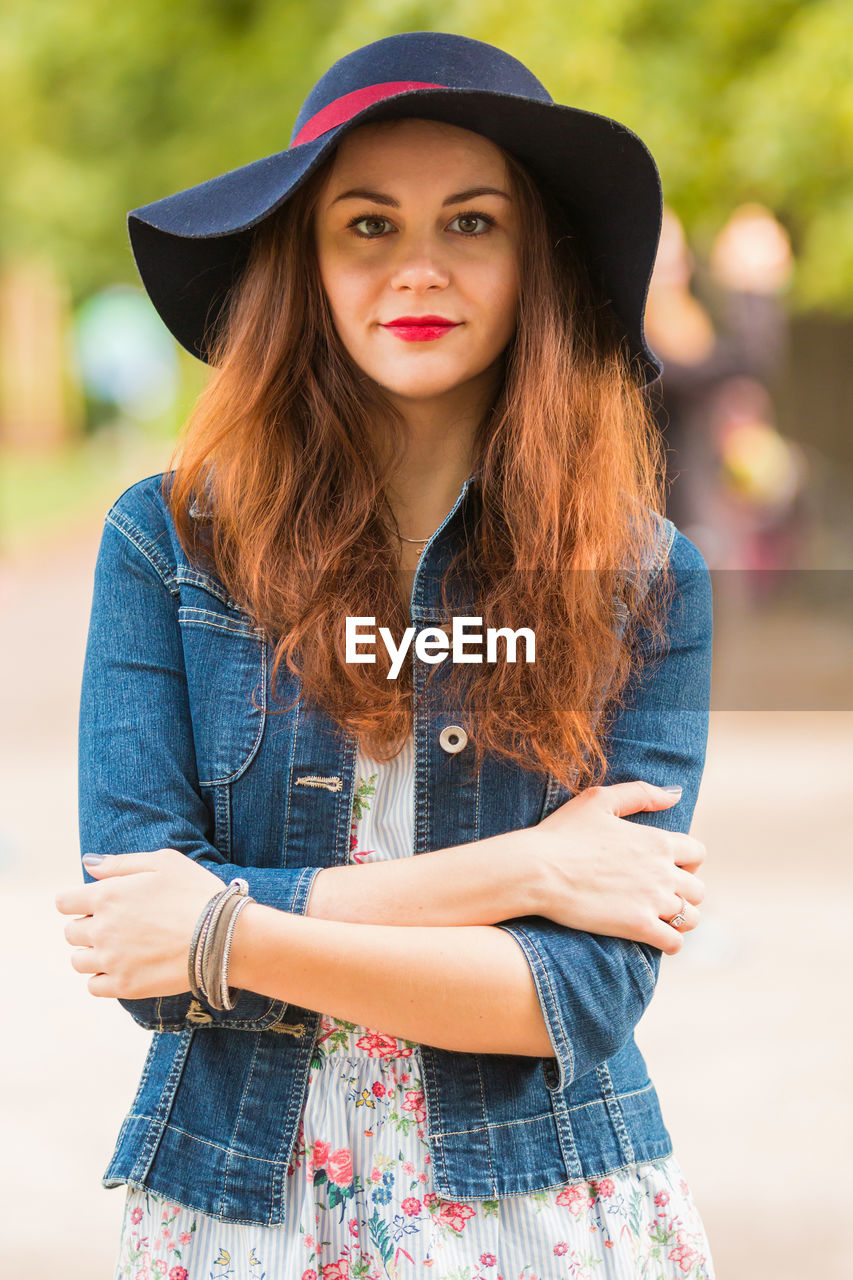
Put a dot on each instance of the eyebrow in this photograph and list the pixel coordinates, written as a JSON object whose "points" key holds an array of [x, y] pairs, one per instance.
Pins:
{"points": [[362, 193]]}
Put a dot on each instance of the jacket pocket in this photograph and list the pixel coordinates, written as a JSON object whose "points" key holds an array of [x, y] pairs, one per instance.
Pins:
{"points": [[226, 668]]}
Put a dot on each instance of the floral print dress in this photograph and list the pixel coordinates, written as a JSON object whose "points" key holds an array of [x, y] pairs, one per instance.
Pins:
{"points": [[360, 1198]]}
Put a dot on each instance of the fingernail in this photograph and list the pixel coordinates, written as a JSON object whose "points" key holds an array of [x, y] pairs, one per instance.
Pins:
{"points": [[673, 790], [93, 858]]}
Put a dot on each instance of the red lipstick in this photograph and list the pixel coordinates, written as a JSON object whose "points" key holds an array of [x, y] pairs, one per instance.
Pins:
{"points": [[420, 328]]}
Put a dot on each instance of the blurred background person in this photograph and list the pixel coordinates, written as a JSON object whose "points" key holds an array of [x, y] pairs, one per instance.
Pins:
{"points": [[734, 483]]}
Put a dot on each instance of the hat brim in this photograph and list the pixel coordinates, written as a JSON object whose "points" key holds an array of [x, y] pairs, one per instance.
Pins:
{"points": [[190, 247]]}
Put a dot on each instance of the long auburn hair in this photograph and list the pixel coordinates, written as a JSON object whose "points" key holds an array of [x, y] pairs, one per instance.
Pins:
{"points": [[279, 451]]}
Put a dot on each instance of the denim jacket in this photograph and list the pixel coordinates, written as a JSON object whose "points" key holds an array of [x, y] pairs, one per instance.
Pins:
{"points": [[177, 750]]}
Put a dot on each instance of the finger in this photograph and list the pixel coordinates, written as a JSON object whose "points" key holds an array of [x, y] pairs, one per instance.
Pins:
{"points": [[121, 864], [75, 902], [101, 984], [665, 938], [622, 798], [690, 913], [79, 932], [655, 932], [689, 886], [692, 853], [83, 960]]}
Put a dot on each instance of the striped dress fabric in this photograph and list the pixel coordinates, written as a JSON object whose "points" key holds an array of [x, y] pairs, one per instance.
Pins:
{"points": [[360, 1198]]}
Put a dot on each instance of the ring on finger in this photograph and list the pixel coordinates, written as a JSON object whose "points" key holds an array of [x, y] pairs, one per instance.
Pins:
{"points": [[679, 917]]}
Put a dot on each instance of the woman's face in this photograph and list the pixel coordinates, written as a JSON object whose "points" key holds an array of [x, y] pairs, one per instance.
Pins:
{"points": [[416, 220]]}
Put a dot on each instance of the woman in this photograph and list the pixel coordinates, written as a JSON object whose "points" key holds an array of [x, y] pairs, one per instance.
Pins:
{"points": [[409, 333]]}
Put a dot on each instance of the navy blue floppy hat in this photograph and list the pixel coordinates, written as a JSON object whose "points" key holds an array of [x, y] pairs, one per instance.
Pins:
{"points": [[191, 247]]}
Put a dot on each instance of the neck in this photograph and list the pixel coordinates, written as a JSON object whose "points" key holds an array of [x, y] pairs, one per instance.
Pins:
{"points": [[439, 457]]}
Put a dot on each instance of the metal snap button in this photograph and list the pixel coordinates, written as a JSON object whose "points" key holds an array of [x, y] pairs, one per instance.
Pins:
{"points": [[551, 1072], [453, 738]]}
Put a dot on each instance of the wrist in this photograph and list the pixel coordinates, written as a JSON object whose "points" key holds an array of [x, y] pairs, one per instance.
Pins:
{"points": [[245, 940], [527, 880]]}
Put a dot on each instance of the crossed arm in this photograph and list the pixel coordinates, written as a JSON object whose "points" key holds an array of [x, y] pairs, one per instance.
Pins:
{"points": [[448, 977], [427, 977], [464, 987]]}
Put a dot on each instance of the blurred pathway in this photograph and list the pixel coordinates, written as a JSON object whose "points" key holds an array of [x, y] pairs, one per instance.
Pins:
{"points": [[747, 1039]]}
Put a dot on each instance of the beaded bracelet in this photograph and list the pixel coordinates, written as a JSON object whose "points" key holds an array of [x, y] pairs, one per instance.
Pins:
{"points": [[214, 961], [226, 992], [210, 943], [194, 958], [210, 948]]}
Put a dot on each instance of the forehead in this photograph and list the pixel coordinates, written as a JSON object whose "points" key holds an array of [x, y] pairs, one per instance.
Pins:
{"points": [[426, 148]]}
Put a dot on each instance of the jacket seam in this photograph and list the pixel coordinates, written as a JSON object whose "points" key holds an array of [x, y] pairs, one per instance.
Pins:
{"points": [[646, 966], [492, 1179], [500, 1124], [151, 1141], [175, 1128], [146, 1071], [237, 1123], [145, 547], [290, 782], [614, 1109], [600, 1102], [548, 1115], [445, 1133], [581, 1181], [552, 1011], [263, 1022], [205, 582], [194, 617], [301, 895], [253, 750], [291, 1123], [254, 1222], [183, 1204]]}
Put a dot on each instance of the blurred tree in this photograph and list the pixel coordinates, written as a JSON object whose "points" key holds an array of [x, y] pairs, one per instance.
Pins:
{"points": [[40, 404], [738, 100], [107, 106]]}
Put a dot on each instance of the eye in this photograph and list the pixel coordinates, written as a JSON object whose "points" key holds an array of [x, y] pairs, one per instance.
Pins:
{"points": [[375, 223], [472, 216], [352, 225]]}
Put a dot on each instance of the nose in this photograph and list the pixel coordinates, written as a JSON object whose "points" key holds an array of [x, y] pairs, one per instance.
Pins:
{"points": [[419, 267]]}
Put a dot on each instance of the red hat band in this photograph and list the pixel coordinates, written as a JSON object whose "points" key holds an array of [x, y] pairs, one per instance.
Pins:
{"points": [[343, 109]]}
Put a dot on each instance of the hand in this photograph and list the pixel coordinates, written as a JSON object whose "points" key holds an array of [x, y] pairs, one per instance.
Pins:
{"points": [[133, 928], [618, 878]]}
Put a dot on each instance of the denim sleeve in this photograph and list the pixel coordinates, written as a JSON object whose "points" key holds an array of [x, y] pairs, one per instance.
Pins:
{"points": [[593, 989], [138, 781]]}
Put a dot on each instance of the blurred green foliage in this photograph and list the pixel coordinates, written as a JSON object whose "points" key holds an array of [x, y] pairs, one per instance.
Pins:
{"points": [[107, 106]]}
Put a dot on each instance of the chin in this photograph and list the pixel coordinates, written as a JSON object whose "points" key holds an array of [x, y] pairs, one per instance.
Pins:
{"points": [[423, 384], [419, 388]]}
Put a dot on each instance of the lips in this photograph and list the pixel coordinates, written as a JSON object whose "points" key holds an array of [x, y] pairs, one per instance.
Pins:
{"points": [[421, 328], [409, 322]]}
